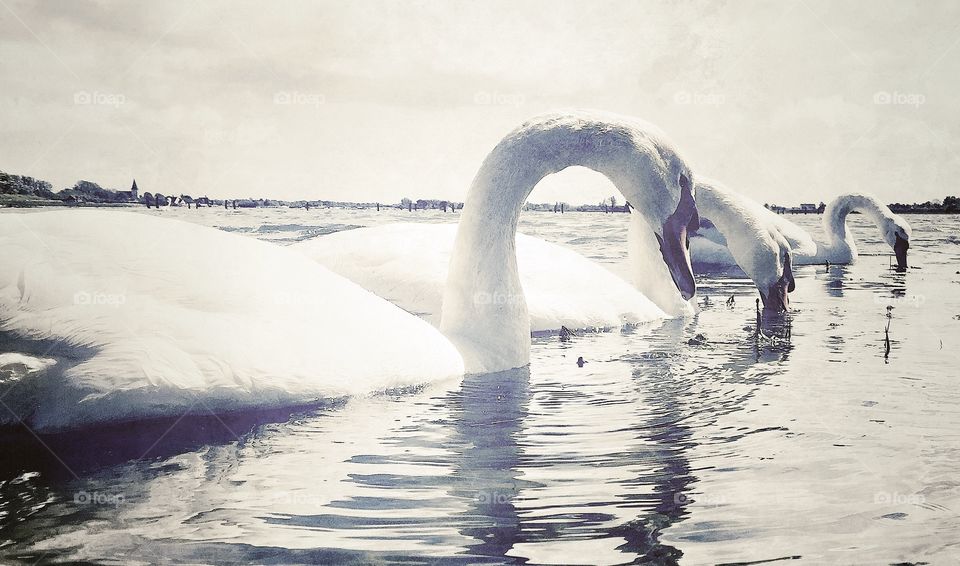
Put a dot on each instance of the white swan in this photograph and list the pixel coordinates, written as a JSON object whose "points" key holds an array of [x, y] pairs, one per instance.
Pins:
{"points": [[98, 323], [632, 154], [839, 246], [406, 263], [99, 326], [748, 240]]}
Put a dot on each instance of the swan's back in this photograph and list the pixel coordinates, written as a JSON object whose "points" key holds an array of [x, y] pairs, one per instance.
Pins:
{"points": [[145, 316], [751, 237], [407, 264], [711, 251]]}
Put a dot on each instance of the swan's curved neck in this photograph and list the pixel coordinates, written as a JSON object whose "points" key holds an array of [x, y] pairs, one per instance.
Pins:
{"points": [[484, 309], [835, 219]]}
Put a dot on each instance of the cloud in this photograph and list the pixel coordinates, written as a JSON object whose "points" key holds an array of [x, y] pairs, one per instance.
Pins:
{"points": [[378, 100]]}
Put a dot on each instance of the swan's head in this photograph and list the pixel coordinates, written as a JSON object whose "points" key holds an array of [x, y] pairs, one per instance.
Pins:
{"points": [[896, 232], [772, 271], [673, 235]]}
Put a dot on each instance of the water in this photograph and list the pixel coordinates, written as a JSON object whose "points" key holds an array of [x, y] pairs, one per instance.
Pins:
{"points": [[694, 442]]}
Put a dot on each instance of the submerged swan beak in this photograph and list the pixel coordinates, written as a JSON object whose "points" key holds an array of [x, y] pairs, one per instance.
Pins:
{"points": [[900, 249], [777, 297], [675, 242]]}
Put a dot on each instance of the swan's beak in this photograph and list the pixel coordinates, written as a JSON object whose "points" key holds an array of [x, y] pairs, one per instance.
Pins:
{"points": [[777, 297], [900, 249], [674, 245]]}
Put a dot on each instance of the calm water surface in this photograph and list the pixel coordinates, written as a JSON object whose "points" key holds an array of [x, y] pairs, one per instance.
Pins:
{"points": [[694, 442]]}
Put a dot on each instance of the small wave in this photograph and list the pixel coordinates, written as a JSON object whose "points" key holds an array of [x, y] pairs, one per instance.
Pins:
{"points": [[305, 229], [581, 240], [288, 235], [310, 233], [282, 227]]}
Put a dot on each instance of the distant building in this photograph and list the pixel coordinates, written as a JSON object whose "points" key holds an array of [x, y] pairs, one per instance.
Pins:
{"points": [[133, 195], [808, 207]]}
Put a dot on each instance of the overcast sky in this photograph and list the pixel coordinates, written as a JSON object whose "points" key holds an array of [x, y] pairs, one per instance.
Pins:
{"points": [[785, 101]]}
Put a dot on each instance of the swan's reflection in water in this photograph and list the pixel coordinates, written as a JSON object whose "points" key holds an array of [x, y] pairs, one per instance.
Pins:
{"points": [[834, 278], [489, 411], [548, 464]]}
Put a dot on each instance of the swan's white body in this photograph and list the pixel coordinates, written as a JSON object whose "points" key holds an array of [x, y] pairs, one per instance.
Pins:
{"points": [[744, 237], [406, 263], [101, 324], [709, 247]]}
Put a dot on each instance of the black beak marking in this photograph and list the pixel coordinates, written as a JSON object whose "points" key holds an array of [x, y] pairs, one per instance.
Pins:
{"points": [[900, 250]]}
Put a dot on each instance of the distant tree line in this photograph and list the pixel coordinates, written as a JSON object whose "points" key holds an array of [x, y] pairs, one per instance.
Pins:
{"points": [[82, 191], [88, 191], [430, 204], [85, 191], [33, 190], [949, 205], [26, 186]]}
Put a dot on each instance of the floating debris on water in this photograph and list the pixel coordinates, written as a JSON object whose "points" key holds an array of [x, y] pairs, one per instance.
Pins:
{"points": [[698, 340]]}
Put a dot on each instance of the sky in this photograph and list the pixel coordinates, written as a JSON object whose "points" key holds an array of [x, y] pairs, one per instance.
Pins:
{"points": [[788, 101]]}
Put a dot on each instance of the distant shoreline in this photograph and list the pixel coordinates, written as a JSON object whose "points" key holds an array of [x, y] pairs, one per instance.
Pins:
{"points": [[62, 204], [25, 204]]}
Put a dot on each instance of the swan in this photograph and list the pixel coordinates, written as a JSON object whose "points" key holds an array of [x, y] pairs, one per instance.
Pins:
{"points": [[97, 326], [632, 154], [839, 246], [406, 263], [749, 241]]}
